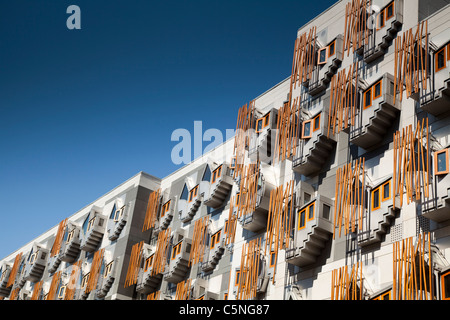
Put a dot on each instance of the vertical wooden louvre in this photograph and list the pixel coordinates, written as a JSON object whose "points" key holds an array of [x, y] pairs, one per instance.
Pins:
{"points": [[162, 245], [305, 53], [183, 290], [244, 127], [248, 189], [154, 296], [54, 286], [72, 285], [412, 276], [280, 219], [288, 128], [95, 270], [152, 210], [37, 290], [349, 197], [58, 239], [14, 294], [15, 268], [134, 264], [199, 241], [345, 285], [411, 163], [232, 220], [249, 267], [411, 61], [355, 32], [343, 100]]}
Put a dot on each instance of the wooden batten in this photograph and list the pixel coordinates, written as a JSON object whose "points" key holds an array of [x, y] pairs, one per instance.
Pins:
{"points": [[71, 287], [134, 264], [151, 214], [54, 286], [199, 241], [232, 221], [183, 290], [245, 126], [58, 239], [95, 271], [342, 281], [37, 290], [288, 129], [249, 268], [14, 270], [356, 29], [248, 189]]}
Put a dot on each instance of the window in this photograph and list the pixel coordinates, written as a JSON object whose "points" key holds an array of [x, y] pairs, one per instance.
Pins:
{"points": [[322, 56], [165, 208], [389, 11], [316, 123], [381, 21], [61, 292], [215, 239], [236, 277], [272, 259], [440, 60], [118, 214], [216, 174], [91, 224], [233, 163], [386, 189], [377, 90], [176, 250], [306, 214], [193, 193], [326, 211], [70, 235], [33, 258], [85, 280], [376, 199], [238, 196], [445, 286], [306, 132], [148, 263], [368, 98], [441, 162], [332, 49], [108, 269], [261, 123]]}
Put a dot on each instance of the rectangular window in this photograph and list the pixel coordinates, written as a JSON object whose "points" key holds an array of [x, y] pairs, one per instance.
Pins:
{"points": [[193, 193], [332, 49], [236, 277], [441, 62], [225, 296], [381, 21], [148, 263], [316, 123], [33, 258], [272, 259], [118, 214], [445, 286], [266, 120], [70, 236], [176, 250], [165, 208], [238, 197], [216, 174], [91, 224], [390, 11], [322, 56], [108, 269], [376, 199], [310, 210], [368, 98], [306, 132], [377, 90], [302, 219], [85, 280], [261, 123], [61, 292], [441, 162], [215, 239], [386, 188]]}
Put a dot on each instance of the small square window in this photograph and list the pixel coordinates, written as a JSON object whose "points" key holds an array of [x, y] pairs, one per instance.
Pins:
{"points": [[441, 62], [441, 162]]}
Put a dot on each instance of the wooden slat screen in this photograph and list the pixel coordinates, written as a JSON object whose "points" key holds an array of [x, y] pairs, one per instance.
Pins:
{"points": [[411, 279], [303, 61], [54, 286], [232, 221], [154, 296], [162, 247], [411, 163], [73, 280], [245, 126], [15, 268], [248, 189], [288, 129], [410, 63], [356, 28], [37, 290], [249, 268], [134, 264], [95, 270], [344, 284], [183, 290], [199, 240], [59, 237], [151, 214], [349, 197]]}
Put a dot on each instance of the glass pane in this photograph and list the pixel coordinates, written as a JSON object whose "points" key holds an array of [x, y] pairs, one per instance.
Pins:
{"points": [[442, 162], [301, 223], [311, 212], [323, 56], [377, 89], [446, 289], [376, 199], [386, 191], [390, 11], [441, 59], [259, 125], [307, 129], [368, 98], [331, 49]]}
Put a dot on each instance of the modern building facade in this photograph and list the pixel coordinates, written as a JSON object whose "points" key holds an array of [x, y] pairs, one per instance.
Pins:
{"points": [[335, 186]]}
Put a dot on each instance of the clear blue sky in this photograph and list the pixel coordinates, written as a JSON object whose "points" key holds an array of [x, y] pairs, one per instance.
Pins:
{"points": [[84, 110]]}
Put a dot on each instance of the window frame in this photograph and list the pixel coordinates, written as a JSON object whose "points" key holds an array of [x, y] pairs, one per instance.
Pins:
{"points": [[310, 129], [118, 214], [237, 277], [70, 235], [301, 213], [61, 294], [436, 164], [393, 11], [273, 257], [320, 62], [193, 193], [380, 82], [165, 208], [216, 173], [364, 98], [382, 15], [444, 297], [215, 239], [382, 191], [437, 59], [332, 44], [176, 250], [148, 263], [108, 269], [90, 223], [373, 208], [308, 209], [265, 122], [315, 120], [85, 280]]}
